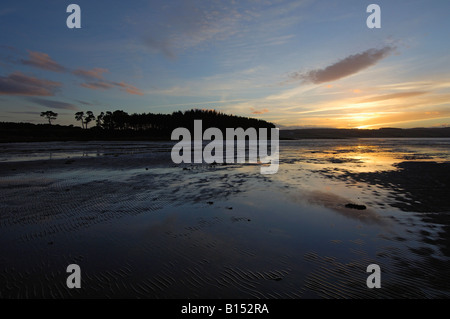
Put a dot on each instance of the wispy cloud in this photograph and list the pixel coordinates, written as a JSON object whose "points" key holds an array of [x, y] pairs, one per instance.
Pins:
{"points": [[181, 25], [18, 83], [392, 96], [128, 88], [95, 73], [105, 85], [54, 104], [99, 85], [6, 11], [346, 67], [84, 102], [42, 61], [94, 76], [25, 112], [160, 45], [261, 111]]}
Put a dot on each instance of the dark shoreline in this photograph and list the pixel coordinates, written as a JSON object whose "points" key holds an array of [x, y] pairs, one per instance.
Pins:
{"points": [[331, 133], [28, 132]]}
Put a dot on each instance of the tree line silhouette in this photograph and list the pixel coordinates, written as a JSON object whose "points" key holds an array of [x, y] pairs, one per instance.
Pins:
{"points": [[166, 123], [119, 125]]}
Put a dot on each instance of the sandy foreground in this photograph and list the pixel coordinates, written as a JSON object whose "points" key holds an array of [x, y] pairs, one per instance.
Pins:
{"points": [[141, 227]]}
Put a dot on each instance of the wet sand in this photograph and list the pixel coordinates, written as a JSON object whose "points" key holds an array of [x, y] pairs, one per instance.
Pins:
{"points": [[141, 227]]}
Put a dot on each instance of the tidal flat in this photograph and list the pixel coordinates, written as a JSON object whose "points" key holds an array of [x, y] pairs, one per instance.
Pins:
{"points": [[140, 226]]}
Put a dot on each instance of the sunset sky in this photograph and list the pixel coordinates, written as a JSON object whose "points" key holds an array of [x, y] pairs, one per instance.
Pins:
{"points": [[300, 63]]}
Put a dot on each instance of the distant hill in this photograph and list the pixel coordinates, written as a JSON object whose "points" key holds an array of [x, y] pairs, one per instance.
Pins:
{"points": [[330, 133]]}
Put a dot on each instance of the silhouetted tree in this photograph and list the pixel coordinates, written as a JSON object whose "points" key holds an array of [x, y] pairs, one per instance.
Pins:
{"points": [[88, 118], [120, 119], [108, 121], [79, 116], [84, 118], [99, 121], [50, 115]]}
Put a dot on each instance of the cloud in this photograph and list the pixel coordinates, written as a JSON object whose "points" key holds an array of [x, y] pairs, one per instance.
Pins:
{"points": [[26, 112], [392, 96], [95, 73], [128, 88], [43, 61], [162, 45], [7, 11], [180, 25], [105, 85], [99, 85], [262, 111], [54, 104], [346, 67], [84, 102], [244, 26], [18, 83]]}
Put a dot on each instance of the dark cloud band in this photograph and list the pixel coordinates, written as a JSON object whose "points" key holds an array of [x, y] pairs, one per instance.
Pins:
{"points": [[43, 61], [18, 83], [54, 104], [346, 67]]}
